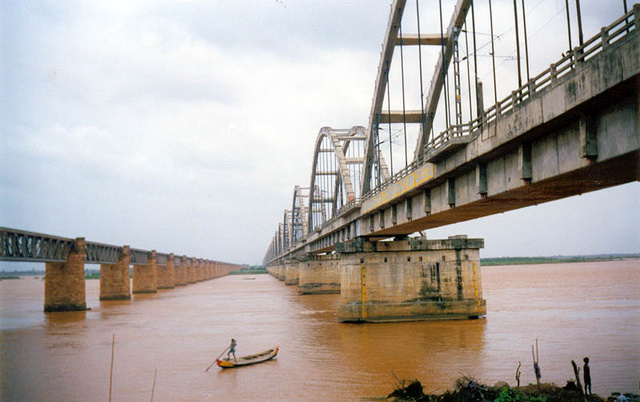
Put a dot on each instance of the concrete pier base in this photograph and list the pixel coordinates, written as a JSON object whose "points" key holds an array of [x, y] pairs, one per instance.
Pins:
{"points": [[319, 275], [290, 269], [115, 281], [415, 279], [64, 286], [167, 274], [145, 277], [280, 273]]}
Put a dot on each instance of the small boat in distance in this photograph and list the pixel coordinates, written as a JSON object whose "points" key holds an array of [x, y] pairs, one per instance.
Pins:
{"points": [[247, 360]]}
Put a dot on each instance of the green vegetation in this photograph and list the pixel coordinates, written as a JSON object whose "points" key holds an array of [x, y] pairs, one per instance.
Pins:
{"points": [[250, 270], [4, 278], [17, 274], [469, 390], [514, 394], [555, 259]]}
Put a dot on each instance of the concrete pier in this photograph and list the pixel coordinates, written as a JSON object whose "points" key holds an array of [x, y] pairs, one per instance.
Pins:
{"points": [[191, 271], [208, 270], [167, 274], [199, 270], [145, 277], [414, 279], [181, 272], [291, 271], [64, 286], [320, 274], [115, 281]]}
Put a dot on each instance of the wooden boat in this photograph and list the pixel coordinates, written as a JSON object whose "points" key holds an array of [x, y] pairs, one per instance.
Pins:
{"points": [[247, 360]]}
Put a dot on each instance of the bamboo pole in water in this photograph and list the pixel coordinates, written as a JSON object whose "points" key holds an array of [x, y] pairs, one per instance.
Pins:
{"points": [[154, 384], [113, 342]]}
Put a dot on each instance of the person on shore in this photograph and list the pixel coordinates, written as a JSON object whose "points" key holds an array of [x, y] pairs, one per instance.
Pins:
{"points": [[232, 350], [587, 376]]}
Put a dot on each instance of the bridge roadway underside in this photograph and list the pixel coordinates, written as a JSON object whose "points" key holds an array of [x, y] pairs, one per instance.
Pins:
{"points": [[579, 135]]}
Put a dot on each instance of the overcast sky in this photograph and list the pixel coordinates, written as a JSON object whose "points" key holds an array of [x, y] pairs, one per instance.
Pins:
{"points": [[184, 126]]}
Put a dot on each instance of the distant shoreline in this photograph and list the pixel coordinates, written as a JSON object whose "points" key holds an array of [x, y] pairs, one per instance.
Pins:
{"points": [[487, 262], [556, 259]]}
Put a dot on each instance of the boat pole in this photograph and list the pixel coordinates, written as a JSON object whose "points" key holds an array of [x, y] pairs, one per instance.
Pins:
{"points": [[214, 362]]}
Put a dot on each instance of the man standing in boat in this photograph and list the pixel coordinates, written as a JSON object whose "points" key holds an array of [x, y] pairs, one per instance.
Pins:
{"points": [[232, 350]]}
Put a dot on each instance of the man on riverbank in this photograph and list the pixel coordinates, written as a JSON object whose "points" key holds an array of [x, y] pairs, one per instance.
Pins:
{"points": [[587, 376]]}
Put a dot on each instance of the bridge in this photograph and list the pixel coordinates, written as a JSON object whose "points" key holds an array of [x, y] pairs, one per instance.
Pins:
{"points": [[65, 259], [571, 129]]}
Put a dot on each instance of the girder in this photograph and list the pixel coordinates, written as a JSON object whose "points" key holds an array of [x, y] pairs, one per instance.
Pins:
{"points": [[422, 40], [439, 75], [21, 245], [340, 188]]}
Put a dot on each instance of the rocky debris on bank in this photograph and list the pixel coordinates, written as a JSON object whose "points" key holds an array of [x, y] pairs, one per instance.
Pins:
{"points": [[469, 390]]}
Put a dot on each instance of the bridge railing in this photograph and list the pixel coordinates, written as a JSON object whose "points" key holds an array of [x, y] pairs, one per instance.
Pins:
{"points": [[21, 245], [608, 35], [98, 253]]}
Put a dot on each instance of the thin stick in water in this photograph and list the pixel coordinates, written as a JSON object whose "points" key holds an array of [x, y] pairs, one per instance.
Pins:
{"points": [[113, 342], [154, 384]]}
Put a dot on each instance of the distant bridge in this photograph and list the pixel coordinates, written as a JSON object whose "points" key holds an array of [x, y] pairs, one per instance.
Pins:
{"points": [[65, 258], [571, 129]]}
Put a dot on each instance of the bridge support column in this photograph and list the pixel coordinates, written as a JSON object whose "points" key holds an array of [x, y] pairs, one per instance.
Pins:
{"points": [[167, 274], [64, 286], [291, 273], [199, 271], [415, 279], [181, 272], [191, 271], [281, 272], [320, 274], [115, 282], [145, 277], [210, 270]]}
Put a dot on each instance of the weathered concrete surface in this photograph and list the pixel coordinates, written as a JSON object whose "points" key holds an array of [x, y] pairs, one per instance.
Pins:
{"points": [[416, 279], [291, 273], [115, 281], [145, 277], [319, 274], [64, 286]]}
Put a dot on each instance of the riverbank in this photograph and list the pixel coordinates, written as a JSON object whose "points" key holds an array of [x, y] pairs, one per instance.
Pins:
{"points": [[469, 390]]}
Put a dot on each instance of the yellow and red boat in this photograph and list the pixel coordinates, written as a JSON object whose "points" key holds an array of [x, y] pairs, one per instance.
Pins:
{"points": [[247, 360]]}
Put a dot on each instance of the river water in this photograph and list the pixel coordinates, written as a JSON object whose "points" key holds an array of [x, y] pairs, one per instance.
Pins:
{"points": [[574, 310]]}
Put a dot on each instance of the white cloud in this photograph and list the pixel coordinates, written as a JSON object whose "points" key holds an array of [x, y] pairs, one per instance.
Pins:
{"points": [[180, 126]]}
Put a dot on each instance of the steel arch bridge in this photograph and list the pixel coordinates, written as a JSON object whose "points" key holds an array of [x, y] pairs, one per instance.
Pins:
{"points": [[413, 168]]}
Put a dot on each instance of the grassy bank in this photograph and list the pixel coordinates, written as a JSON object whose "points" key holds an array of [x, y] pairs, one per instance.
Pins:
{"points": [[249, 272]]}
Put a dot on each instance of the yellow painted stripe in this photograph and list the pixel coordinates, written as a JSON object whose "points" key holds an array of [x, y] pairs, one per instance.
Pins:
{"points": [[410, 182], [363, 288]]}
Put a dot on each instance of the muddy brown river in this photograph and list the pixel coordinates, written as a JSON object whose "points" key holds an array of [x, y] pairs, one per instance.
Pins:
{"points": [[574, 310]]}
